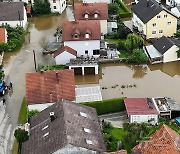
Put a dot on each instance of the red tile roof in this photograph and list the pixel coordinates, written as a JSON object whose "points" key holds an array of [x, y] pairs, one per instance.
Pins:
{"points": [[91, 8], [117, 152], [163, 141], [81, 27], [139, 106], [65, 48], [2, 35], [50, 86]]}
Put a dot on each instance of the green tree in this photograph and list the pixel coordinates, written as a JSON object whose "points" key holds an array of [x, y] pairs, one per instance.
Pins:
{"points": [[41, 7], [133, 41], [21, 135], [32, 113], [4, 47], [138, 56], [113, 8]]}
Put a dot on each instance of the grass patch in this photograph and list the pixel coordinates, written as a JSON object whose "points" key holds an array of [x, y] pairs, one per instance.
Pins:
{"points": [[22, 119], [107, 106], [15, 147], [123, 54], [115, 41]]}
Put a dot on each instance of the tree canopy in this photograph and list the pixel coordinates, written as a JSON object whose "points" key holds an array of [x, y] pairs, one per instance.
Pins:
{"points": [[41, 7], [113, 8]]}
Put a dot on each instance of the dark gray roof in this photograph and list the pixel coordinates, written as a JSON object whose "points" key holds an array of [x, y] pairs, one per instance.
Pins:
{"points": [[163, 44], [12, 11], [66, 129], [146, 11]]}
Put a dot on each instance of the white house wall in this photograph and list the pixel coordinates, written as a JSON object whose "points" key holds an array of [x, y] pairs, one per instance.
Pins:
{"points": [[103, 24], [139, 24], [39, 107], [64, 58], [143, 118], [60, 6], [171, 54], [81, 46], [97, 1], [22, 23], [175, 11]]}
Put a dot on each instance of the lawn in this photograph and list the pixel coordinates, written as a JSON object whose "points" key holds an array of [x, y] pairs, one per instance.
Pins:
{"points": [[123, 54], [115, 41], [22, 119], [15, 147]]}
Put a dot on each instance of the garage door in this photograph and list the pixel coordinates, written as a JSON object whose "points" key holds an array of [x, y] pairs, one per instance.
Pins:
{"points": [[77, 71], [89, 70]]}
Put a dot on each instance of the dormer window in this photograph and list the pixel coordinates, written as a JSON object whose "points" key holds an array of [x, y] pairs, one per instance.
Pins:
{"points": [[76, 33], [86, 16], [96, 15], [76, 36], [86, 35]]}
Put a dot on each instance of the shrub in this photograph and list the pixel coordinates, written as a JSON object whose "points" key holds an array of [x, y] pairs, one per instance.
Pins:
{"points": [[107, 106], [126, 12], [32, 113], [51, 67], [4, 47], [113, 8]]}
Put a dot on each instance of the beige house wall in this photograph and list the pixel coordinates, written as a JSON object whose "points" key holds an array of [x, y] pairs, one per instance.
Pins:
{"points": [[103, 24], [161, 24]]}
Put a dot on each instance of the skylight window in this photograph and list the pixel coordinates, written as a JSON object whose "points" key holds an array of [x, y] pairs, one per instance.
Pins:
{"points": [[46, 134], [89, 141], [87, 130], [45, 127], [83, 114]]}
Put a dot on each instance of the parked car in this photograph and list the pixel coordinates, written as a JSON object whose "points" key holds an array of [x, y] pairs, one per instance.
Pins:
{"points": [[3, 88]]}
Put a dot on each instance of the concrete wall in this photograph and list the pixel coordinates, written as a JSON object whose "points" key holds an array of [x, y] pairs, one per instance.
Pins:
{"points": [[64, 58], [39, 107], [60, 6], [171, 54], [103, 24], [81, 46], [97, 1], [161, 24], [143, 118], [22, 23]]}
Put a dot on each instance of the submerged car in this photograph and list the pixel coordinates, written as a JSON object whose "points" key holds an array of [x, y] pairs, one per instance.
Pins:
{"points": [[3, 87]]}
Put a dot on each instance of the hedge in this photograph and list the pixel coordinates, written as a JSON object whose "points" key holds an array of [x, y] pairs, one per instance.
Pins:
{"points": [[126, 13], [107, 106]]}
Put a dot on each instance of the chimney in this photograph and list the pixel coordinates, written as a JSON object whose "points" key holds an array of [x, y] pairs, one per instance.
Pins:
{"points": [[57, 77], [50, 97], [52, 116], [147, 3]]}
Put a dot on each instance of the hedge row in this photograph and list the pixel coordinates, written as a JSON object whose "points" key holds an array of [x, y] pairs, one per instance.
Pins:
{"points": [[107, 106]]}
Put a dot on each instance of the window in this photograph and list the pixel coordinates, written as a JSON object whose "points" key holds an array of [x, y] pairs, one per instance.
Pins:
{"points": [[45, 127], [95, 52], [165, 16], [160, 31], [54, 7], [154, 24], [89, 141], [169, 23], [86, 51], [46, 134], [86, 35], [153, 32], [86, 16], [54, 1], [158, 16], [76, 36], [83, 114], [87, 130], [95, 15]]}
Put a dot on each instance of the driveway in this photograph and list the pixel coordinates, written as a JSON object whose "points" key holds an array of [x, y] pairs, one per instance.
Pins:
{"points": [[116, 119]]}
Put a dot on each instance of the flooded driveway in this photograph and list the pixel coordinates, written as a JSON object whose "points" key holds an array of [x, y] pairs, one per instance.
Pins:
{"points": [[121, 80]]}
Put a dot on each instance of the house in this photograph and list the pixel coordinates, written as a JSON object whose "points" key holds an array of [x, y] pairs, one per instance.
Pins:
{"points": [[82, 37], [65, 128], [173, 3], [163, 50], [16, 16], [56, 5], [163, 141], [98, 1], [3, 35], [64, 54], [92, 11], [112, 27], [176, 11], [153, 20], [47, 87], [141, 110]]}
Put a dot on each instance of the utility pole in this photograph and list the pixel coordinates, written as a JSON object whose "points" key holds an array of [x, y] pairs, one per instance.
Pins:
{"points": [[34, 60]]}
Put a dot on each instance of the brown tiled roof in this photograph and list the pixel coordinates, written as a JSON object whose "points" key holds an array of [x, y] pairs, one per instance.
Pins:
{"points": [[117, 152], [163, 141], [2, 35], [65, 48], [50, 86], [80, 27], [66, 129], [12, 11], [91, 8]]}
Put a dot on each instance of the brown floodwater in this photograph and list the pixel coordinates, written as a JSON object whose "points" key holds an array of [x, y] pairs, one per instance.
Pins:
{"points": [[139, 81]]}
